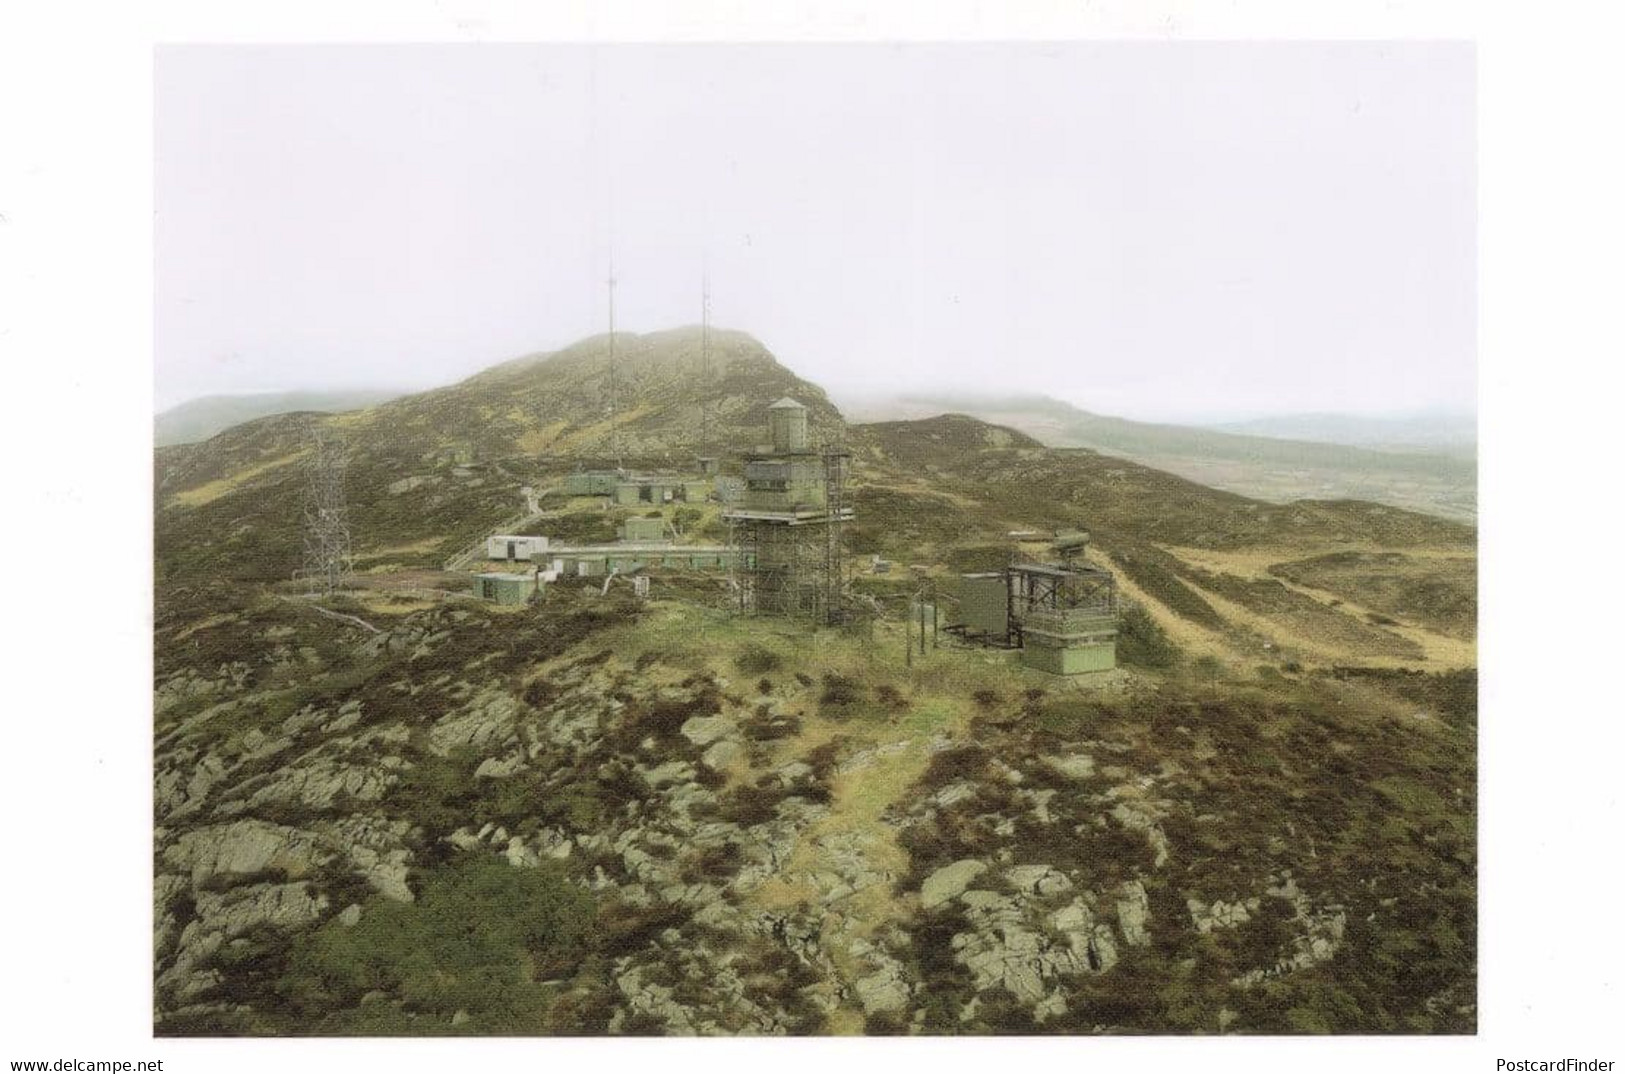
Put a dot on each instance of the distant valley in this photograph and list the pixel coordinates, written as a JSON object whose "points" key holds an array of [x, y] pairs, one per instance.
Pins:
{"points": [[1428, 468]]}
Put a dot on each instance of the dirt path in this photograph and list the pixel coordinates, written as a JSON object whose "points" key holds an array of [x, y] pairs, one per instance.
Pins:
{"points": [[847, 861], [1440, 650], [1189, 636]]}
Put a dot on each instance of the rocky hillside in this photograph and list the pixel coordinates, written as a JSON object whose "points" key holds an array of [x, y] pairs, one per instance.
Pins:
{"points": [[723, 831]]}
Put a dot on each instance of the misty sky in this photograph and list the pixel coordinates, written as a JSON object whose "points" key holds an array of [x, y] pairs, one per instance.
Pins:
{"points": [[1148, 229]]}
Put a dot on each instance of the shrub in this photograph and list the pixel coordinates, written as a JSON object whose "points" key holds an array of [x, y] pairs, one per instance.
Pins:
{"points": [[664, 716], [765, 725], [747, 806], [890, 697], [960, 762], [840, 691], [463, 945], [1207, 669], [1067, 715], [757, 660], [718, 863], [1142, 642], [824, 758]]}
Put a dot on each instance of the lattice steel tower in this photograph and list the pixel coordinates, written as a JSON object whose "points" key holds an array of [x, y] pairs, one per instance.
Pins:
{"points": [[328, 558]]}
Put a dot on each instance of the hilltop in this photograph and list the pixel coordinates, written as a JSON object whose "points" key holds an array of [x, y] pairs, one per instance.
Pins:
{"points": [[527, 421]]}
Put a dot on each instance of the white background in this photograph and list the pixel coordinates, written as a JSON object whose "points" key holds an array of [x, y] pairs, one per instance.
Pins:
{"points": [[75, 343], [1151, 229]]}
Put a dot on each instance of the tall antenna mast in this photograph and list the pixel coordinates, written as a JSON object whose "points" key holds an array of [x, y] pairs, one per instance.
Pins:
{"points": [[705, 357], [614, 380]]}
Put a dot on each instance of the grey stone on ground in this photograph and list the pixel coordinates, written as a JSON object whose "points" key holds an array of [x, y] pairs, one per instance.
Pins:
{"points": [[704, 730], [1072, 765], [720, 755], [948, 881], [1133, 912]]}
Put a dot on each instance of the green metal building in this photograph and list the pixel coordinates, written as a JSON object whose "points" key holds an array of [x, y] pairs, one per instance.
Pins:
{"points": [[1069, 641], [596, 561], [592, 483], [984, 607], [1063, 617], [643, 529], [505, 588]]}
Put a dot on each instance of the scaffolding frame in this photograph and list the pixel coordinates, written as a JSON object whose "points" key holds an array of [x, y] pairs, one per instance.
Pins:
{"points": [[792, 564], [1048, 592]]}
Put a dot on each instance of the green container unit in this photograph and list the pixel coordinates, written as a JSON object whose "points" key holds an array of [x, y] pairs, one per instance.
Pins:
{"points": [[643, 529], [628, 493], [504, 588], [984, 605], [1069, 642], [696, 491], [1068, 659], [592, 483]]}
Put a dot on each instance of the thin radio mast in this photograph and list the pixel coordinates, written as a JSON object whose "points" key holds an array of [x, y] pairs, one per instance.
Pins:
{"points": [[614, 379], [705, 357]]}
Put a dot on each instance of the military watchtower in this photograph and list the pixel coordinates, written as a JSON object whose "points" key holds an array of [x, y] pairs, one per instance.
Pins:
{"points": [[787, 525]]}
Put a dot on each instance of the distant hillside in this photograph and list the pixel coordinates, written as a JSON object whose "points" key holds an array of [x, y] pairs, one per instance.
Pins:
{"points": [[1267, 468], [1445, 432], [1018, 483], [198, 419]]}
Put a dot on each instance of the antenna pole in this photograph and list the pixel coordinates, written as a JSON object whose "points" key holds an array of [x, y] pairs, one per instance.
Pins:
{"points": [[705, 355], [614, 380]]}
